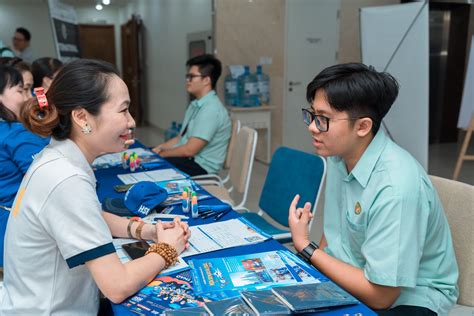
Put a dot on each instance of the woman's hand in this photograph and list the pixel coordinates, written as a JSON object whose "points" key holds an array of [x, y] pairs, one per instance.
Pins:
{"points": [[176, 236], [298, 219]]}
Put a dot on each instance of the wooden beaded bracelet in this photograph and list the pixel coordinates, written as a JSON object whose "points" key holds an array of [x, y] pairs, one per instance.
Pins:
{"points": [[167, 252]]}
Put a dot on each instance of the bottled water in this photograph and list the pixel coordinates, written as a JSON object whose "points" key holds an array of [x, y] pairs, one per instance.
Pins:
{"points": [[263, 83], [248, 89], [231, 90], [172, 131]]}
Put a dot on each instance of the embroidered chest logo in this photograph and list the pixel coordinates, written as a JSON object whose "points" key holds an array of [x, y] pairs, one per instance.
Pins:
{"points": [[358, 208]]}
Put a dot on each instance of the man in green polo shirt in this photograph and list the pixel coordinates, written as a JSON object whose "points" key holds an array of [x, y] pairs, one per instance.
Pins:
{"points": [[386, 238], [201, 146]]}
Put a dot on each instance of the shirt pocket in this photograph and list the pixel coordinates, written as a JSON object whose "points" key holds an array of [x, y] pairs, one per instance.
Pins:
{"points": [[355, 235]]}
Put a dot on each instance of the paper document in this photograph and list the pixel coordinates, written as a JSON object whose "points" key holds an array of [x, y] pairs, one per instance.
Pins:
{"points": [[220, 235], [154, 176]]}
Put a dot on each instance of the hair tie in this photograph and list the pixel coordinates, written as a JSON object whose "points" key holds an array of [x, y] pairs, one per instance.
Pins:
{"points": [[41, 97]]}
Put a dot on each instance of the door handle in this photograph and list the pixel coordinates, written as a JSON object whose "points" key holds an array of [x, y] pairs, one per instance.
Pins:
{"points": [[294, 83]]}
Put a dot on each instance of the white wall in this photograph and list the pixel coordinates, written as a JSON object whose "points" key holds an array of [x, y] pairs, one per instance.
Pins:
{"points": [[32, 15], [165, 26], [109, 15]]}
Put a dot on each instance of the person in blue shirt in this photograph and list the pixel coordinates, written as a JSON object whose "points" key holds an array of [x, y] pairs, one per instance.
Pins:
{"points": [[386, 238], [18, 146]]}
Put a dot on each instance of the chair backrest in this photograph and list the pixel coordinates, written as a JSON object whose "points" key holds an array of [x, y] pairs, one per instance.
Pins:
{"points": [[233, 137], [291, 172], [243, 155], [458, 202]]}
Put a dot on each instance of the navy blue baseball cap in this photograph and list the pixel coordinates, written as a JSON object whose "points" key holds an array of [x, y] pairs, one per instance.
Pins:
{"points": [[143, 197]]}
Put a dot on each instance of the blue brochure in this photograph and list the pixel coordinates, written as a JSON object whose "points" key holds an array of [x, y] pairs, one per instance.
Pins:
{"points": [[248, 272], [313, 297]]}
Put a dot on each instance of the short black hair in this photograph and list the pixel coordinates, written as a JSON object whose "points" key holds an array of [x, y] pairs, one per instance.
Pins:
{"points": [[357, 89], [209, 66], [24, 32]]}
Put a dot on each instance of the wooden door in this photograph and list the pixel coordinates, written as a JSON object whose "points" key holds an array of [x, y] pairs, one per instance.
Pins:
{"points": [[97, 42], [131, 65]]}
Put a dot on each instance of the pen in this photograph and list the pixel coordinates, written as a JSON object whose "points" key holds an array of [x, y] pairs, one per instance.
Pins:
{"points": [[220, 215]]}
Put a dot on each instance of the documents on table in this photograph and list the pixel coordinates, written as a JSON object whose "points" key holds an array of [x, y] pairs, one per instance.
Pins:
{"points": [[221, 235], [154, 176], [124, 257]]}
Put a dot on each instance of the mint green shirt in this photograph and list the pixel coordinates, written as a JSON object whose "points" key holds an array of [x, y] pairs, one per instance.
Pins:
{"points": [[386, 218], [209, 120]]}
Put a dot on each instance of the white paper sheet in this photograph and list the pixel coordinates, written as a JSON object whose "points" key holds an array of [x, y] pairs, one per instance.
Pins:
{"points": [[154, 176]]}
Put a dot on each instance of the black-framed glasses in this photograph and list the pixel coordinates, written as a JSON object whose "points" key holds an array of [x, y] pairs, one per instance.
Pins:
{"points": [[190, 77], [322, 122]]}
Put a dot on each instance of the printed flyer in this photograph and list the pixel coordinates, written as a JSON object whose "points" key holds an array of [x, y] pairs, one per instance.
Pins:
{"points": [[247, 272]]}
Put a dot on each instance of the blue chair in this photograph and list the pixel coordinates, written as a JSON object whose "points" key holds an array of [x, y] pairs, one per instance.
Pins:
{"points": [[291, 172]]}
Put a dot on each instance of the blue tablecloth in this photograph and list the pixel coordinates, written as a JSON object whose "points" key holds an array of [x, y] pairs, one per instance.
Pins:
{"points": [[107, 178]]}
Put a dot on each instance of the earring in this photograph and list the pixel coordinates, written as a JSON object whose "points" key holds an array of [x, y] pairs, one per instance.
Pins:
{"points": [[86, 129]]}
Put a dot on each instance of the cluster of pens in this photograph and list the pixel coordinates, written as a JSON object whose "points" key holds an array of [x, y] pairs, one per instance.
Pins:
{"points": [[190, 202], [131, 161], [216, 211]]}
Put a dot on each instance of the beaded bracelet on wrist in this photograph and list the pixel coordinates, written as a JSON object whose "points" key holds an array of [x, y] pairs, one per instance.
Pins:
{"points": [[169, 254]]}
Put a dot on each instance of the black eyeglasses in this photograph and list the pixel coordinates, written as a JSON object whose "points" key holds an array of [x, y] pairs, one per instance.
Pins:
{"points": [[190, 77], [322, 122]]}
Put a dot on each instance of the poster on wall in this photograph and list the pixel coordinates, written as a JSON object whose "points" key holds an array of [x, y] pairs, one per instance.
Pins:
{"points": [[65, 30]]}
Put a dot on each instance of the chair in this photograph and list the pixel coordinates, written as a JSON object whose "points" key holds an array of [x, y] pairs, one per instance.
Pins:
{"points": [[202, 179], [240, 170], [291, 172], [458, 202], [462, 154]]}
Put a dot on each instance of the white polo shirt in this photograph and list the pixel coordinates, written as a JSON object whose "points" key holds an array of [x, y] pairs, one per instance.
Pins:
{"points": [[55, 227]]}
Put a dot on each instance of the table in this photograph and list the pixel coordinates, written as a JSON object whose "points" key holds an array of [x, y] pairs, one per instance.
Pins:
{"points": [[107, 178], [258, 117]]}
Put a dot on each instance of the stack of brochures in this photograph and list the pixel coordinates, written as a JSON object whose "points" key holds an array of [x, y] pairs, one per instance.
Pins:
{"points": [[306, 298], [176, 295]]}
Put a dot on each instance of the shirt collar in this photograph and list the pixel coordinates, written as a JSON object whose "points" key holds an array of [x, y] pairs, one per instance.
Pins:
{"points": [[70, 150], [366, 164], [200, 102]]}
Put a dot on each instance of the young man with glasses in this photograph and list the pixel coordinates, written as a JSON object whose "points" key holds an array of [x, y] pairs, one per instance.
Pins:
{"points": [[201, 146], [21, 44], [386, 238]]}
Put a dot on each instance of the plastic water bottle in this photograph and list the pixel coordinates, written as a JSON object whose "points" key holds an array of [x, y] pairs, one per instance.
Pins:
{"points": [[263, 82], [231, 91], [248, 89], [171, 131]]}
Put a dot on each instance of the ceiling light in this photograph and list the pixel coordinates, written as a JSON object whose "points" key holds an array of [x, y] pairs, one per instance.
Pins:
{"points": [[105, 2], [99, 7]]}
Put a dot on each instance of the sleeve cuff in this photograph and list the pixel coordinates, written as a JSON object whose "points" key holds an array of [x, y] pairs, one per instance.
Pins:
{"points": [[388, 280], [91, 254]]}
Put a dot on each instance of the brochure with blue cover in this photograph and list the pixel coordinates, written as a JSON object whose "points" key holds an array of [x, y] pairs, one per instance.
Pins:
{"points": [[165, 293], [248, 272], [313, 297]]}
